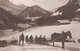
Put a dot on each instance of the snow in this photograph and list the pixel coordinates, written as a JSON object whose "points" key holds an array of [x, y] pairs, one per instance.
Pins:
{"points": [[64, 21], [32, 47], [36, 47], [78, 10], [24, 25], [56, 13], [47, 31]]}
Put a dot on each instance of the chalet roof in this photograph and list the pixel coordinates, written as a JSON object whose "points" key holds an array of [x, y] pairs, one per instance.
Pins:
{"points": [[64, 21]]}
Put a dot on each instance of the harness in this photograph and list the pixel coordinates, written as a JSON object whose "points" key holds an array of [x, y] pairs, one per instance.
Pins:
{"points": [[57, 38]]}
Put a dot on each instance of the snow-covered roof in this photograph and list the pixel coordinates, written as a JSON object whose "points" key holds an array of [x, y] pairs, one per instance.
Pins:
{"points": [[56, 13], [64, 21], [78, 10]]}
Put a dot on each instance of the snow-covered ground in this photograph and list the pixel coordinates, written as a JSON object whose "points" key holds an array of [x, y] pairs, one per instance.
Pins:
{"points": [[35, 47], [47, 31]]}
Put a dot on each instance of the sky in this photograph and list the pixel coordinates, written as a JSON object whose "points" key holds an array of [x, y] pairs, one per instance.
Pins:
{"points": [[45, 4]]}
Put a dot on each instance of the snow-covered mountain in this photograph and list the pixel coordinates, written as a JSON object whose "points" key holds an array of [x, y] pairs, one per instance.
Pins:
{"points": [[8, 21], [8, 10], [69, 10], [34, 11], [14, 9]]}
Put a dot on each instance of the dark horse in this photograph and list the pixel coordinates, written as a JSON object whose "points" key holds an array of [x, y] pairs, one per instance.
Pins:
{"points": [[57, 37]]}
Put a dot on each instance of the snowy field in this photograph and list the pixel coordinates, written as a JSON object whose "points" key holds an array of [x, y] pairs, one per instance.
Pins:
{"points": [[47, 31], [33, 47]]}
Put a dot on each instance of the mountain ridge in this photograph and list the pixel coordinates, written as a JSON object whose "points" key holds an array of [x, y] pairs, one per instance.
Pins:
{"points": [[34, 11], [69, 10], [14, 9]]}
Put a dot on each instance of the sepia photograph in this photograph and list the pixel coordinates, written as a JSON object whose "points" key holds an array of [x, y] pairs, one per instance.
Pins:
{"points": [[39, 25]]}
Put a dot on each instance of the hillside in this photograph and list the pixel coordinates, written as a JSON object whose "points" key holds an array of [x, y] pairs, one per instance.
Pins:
{"points": [[69, 11], [14, 9], [9, 21], [34, 11], [47, 31]]}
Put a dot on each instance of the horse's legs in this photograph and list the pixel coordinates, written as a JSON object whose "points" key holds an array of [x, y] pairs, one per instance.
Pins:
{"points": [[53, 44], [63, 44]]}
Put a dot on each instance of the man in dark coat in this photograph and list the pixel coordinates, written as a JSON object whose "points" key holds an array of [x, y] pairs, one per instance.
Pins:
{"points": [[21, 38], [36, 39], [31, 39], [40, 39], [63, 41], [27, 39], [44, 41]]}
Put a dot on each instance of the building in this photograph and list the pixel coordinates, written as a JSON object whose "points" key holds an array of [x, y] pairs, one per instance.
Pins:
{"points": [[62, 22]]}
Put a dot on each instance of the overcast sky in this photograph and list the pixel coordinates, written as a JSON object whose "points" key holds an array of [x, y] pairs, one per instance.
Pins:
{"points": [[45, 4]]}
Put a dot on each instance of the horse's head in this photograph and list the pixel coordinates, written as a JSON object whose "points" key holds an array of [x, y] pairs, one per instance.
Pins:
{"points": [[69, 34]]}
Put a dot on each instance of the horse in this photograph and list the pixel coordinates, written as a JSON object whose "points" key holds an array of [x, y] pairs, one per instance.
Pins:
{"points": [[60, 37]]}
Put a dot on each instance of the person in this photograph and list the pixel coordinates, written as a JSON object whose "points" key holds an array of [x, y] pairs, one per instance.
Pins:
{"points": [[36, 39], [40, 39], [27, 39], [31, 39], [63, 41], [21, 38], [44, 40]]}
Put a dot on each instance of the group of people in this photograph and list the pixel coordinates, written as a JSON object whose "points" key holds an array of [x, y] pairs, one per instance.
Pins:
{"points": [[36, 40]]}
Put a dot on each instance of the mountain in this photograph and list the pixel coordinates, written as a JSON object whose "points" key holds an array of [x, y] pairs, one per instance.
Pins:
{"points": [[69, 10], [7, 20], [34, 11], [14, 9]]}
